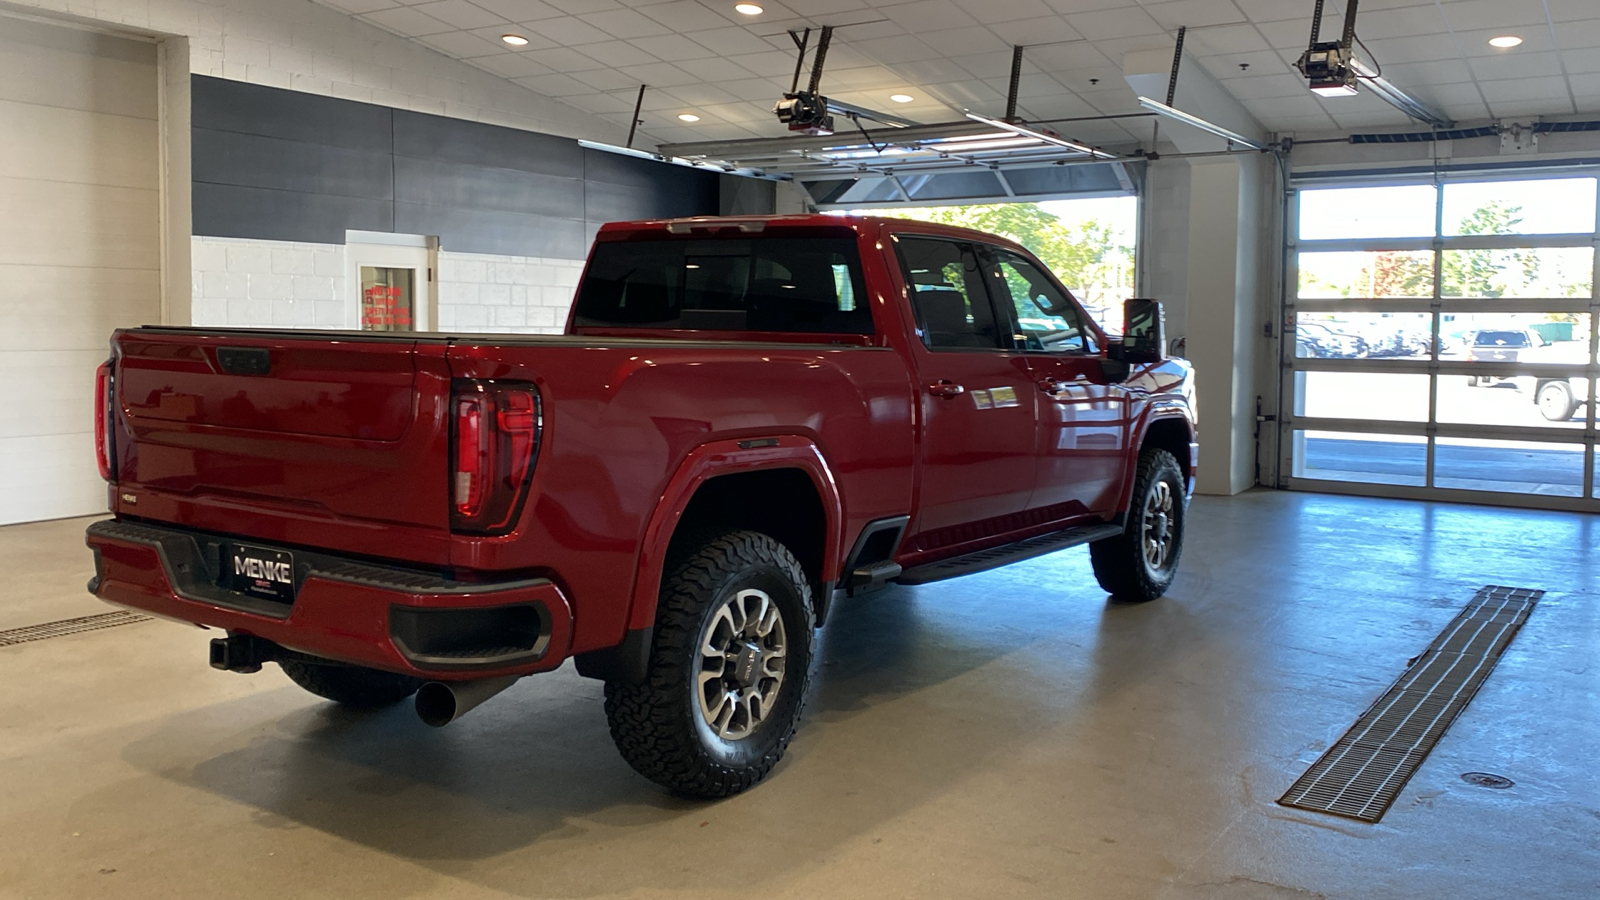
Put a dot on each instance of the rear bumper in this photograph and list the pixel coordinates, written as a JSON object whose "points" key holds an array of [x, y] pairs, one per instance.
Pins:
{"points": [[388, 618]]}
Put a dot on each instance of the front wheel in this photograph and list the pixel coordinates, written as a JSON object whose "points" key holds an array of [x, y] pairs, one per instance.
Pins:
{"points": [[729, 662], [1140, 563], [1556, 402]]}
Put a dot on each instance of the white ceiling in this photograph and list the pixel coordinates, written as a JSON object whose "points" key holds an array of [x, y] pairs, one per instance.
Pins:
{"points": [[701, 56]]}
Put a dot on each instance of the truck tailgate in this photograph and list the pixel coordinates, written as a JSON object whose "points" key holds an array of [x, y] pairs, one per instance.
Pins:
{"points": [[332, 441]]}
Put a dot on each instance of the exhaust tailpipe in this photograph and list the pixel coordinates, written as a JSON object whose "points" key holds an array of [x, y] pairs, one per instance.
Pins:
{"points": [[441, 702]]}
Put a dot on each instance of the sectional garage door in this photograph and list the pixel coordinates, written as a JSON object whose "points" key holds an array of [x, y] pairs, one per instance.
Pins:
{"points": [[79, 248]]}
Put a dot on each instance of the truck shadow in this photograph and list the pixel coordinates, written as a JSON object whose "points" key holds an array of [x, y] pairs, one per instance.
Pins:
{"points": [[527, 794]]}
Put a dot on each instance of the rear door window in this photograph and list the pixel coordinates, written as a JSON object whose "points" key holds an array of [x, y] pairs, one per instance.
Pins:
{"points": [[806, 285], [948, 294]]}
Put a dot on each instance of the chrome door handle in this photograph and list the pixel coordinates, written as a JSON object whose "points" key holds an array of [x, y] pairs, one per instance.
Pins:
{"points": [[1053, 387], [946, 389]]}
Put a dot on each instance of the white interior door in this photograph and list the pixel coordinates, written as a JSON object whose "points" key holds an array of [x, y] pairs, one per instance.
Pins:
{"points": [[392, 281]]}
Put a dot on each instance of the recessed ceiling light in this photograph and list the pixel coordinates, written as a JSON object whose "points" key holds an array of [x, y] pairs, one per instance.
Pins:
{"points": [[515, 40], [689, 117], [749, 9], [1505, 40], [901, 98]]}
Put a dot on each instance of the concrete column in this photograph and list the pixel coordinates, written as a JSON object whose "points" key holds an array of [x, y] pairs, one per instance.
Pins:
{"points": [[1221, 289]]}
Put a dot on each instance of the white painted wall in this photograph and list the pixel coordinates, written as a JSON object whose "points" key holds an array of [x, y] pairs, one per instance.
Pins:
{"points": [[300, 45], [80, 248], [278, 284]]}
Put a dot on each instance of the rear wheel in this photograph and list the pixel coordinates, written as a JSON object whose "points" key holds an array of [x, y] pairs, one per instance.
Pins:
{"points": [[1556, 402], [728, 668], [1140, 563], [354, 686]]}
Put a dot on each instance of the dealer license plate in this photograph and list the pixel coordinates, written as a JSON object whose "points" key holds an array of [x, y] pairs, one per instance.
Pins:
{"points": [[259, 572]]}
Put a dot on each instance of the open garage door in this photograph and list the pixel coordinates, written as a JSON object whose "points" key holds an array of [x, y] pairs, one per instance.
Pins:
{"points": [[1439, 339], [80, 248]]}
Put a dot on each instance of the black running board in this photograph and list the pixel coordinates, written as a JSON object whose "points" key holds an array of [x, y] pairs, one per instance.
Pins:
{"points": [[1006, 554]]}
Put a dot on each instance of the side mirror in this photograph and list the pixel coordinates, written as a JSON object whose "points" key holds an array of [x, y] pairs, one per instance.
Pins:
{"points": [[1144, 333]]}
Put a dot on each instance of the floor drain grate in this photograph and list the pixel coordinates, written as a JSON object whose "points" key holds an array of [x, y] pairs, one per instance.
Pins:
{"points": [[1365, 770], [69, 626]]}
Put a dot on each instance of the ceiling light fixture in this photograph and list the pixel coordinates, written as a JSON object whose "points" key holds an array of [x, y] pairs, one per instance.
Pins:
{"points": [[515, 40], [1037, 135], [1161, 109], [901, 98], [748, 9], [1505, 41], [688, 117]]}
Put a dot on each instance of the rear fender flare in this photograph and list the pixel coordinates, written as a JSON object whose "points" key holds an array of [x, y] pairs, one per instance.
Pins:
{"points": [[729, 457]]}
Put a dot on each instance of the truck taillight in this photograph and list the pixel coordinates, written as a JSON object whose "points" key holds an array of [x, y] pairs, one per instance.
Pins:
{"points": [[495, 441], [103, 446]]}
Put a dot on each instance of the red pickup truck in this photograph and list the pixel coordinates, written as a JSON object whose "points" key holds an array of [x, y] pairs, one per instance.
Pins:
{"points": [[745, 418]]}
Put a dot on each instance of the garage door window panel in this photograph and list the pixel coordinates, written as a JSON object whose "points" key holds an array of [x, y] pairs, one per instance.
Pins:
{"points": [[1361, 395], [1325, 335], [1366, 274], [1391, 211], [1363, 458], [1505, 466], [1542, 206]]}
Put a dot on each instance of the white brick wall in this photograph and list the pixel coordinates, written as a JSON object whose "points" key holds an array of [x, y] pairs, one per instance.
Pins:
{"points": [[505, 294], [299, 45], [261, 284]]}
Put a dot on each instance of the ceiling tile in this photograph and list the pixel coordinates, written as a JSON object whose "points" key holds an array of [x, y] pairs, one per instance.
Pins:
{"points": [[1579, 35], [556, 85], [601, 103], [959, 41], [1522, 65], [569, 31], [520, 10], [1403, 21], [1467, 15], [356, 7], [731, 41], [1413, 49], [671, 47], [564, 59], [1551, 88], [771, 64], [659, 75], [1570, 10], [684, 15], [1068, 57], [1034, 32], [625, 23], [607, 80], [927, 15], [463, 45], [713, 70], [512, 65], [1275, 11], [990, 12], [407, 21], [1114, 23], [1194, 13], [459, 13], [1225, 39], [617, 54], [891, 50], [578, 7]]}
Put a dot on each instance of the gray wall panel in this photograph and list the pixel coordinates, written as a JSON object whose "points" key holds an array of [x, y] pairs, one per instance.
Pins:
{"points": [[473, 187], [494, 231], [224, 105], [490, 146], [264, 214], [282, 165], [228, 157]]}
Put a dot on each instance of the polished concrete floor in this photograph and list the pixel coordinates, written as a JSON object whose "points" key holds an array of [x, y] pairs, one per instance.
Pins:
{"points": [[1010, 734]]}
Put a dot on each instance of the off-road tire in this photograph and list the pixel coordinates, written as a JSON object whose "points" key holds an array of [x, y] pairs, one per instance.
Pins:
{"points": [[658, 725], [354, 686], [1120, 564]]}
